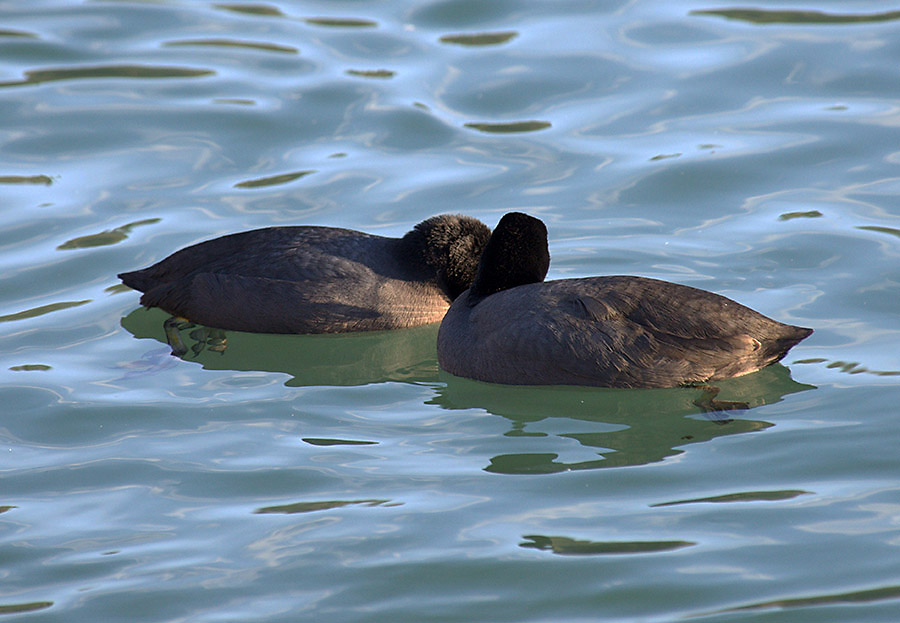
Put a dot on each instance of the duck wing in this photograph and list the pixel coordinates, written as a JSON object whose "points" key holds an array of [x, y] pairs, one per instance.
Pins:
{"points": [[647, 332], [610, 332], [285, 253]]}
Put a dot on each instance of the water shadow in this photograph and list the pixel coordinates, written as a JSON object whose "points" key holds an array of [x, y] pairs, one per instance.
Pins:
{"points": [[259, 10], [104, 238], [24, 607], [743, 496], [273, 180], [262, 46], [341, 359], [43, 180], [327, 505], [625, 426], [34, 312], [341, 22], [480, 38], [856, 597], [39, 76], [566, 546], [763, 16], [514, 127], [371, 73], [847, 367]]}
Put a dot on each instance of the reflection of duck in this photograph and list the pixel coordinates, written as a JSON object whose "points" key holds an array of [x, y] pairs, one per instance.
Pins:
{"points": [[512, 327], [317, 279], [335, 359], [625, 427]]}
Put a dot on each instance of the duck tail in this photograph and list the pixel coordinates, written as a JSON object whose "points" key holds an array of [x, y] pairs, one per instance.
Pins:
{"points": [[136, 280], [777, 347]]}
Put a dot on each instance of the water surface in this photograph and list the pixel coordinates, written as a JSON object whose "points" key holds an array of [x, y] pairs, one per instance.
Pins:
{"points": [[746, 149]]}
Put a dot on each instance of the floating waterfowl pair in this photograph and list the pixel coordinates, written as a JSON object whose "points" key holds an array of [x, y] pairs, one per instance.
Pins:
{"points": [[500, 321]]}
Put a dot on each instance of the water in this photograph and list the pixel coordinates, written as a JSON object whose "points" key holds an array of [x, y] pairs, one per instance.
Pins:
{"points": [[752, 152]]}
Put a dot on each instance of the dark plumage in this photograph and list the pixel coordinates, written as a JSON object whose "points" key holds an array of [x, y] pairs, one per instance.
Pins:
{"points": [[317, 279], [512, 327]]}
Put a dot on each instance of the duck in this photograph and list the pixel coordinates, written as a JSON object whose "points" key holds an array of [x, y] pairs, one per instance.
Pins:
{"points": [[312, 279], [512, 327]]}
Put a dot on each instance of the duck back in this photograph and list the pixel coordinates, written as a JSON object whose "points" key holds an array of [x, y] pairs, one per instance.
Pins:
{"points": [[617, 331]]}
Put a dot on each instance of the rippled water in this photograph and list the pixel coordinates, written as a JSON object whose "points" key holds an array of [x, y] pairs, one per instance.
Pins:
{"points": [[751, 150]]}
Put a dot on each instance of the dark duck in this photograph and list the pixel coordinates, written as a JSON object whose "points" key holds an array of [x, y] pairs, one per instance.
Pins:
{"points": [[512, 327], [307, 279]]}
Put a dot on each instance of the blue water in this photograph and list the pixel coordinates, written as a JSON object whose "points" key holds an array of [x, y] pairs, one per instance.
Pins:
{"points": [[751, 150]]}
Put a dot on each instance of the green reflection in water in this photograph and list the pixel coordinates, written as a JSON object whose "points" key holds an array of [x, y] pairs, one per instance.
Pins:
{"points": [[233, 43], [536, 463], [787, 216], [104, 238], [760, 16], [513, 127], [631, 427], [341, 22], [478, 39], [27, 607], [748, 496], [317, 441], [44, 180], [117, 288], [252, 9], [848, 367], [665, 156], [370, 73], [876, 594], [571, 547], [43, 309], [881, 230], [38, 76], [234, 100], [17, 33], [338, 359], [311, 507], [273, 180]]}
